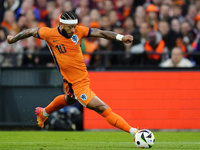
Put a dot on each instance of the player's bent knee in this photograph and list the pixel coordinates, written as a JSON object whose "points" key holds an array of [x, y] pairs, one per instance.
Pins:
{"points": [[101, 109], [97, 105], [69, 100]]}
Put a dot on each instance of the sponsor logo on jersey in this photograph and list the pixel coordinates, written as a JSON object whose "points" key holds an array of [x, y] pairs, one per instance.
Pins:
{"points": [[55, 40], [83, 97], [75, 39]]}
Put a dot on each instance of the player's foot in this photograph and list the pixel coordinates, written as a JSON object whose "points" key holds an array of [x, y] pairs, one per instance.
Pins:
{"points": [[40, 117]]}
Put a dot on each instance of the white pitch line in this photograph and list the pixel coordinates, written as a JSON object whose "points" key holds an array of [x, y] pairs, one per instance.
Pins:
{"points": [[198, 143], [26, 142], [155, 142]]}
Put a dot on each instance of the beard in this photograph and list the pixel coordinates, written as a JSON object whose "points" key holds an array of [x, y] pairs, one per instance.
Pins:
{"points": [[65, 34]]}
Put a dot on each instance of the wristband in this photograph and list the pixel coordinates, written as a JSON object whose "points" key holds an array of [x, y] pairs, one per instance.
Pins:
{"points": [[119, 37]]}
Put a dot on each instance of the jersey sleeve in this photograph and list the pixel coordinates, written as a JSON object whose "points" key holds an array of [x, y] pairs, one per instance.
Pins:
{"points": [[43, 33], [85, 31]]}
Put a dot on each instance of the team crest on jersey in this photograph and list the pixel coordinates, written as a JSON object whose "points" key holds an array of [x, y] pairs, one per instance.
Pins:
{"points": [[75, 39], [83, 97]]}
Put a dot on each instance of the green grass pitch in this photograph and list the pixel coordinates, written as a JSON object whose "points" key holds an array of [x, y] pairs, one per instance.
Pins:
{"points": [[90, 140]]}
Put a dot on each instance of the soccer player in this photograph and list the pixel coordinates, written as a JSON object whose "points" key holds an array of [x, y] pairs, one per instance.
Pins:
{"points": [[64, 44]]}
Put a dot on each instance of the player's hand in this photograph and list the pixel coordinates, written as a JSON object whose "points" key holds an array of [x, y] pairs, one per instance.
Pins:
{"points": [[127, 39], [9, 39]]}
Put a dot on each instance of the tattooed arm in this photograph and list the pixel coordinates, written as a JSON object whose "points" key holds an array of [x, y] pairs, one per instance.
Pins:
{"points": [[109, 35], [22, 35]]}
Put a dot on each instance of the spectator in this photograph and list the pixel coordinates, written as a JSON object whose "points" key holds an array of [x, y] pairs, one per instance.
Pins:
{"points": [[33, 23], [152, 16], [153, 45], [99, 4], [140, 11], [192, 12], [99, 60], [137, 50], [139, 16], [41, 6], [9, 21], [177, 13], [197, 23], [127, 9], [179, 2], [55, 17], [27, 5], [59, 4], [185, 7], [157, 3], [94, 18], [31, 56], [165, 13], [11, 55], [67, 6], [75, 3], [185, 28], [177, 59], [83, 9], [197, 30], [197, 3], [105, 23], [22, 23], [129, 25], [85, 21], [141, 36], [51, 6], [196, 57], [108, 6], [113, 17], [164, 28], [119, 4], [168, 2], [117, 45], [174, 33], [138, 21], [88, 45], [189, 41], [12, 5], [31, 20], [3, 34]]}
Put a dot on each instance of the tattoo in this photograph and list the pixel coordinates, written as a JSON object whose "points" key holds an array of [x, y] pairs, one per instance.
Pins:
{"points": [[25, 34], [103, 34], [109, 35]]}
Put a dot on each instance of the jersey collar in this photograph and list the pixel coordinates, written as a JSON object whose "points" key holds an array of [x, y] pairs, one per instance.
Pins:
{"points": [[59, 31]]}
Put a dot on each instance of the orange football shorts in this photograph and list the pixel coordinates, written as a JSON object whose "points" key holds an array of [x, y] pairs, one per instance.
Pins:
{"points": [[80, 91]]}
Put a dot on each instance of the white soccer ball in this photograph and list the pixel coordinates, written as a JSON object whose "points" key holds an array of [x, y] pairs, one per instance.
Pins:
{"points": [[144, 139]]}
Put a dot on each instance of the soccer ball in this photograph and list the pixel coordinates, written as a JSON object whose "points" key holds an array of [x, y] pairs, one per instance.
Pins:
{"points": [[144, 139]]}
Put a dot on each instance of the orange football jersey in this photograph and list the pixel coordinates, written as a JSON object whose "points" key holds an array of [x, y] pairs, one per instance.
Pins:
{"points": [[66, 52]]}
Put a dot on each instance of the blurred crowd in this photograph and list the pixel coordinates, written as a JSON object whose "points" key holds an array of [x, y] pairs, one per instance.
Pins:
{"points": [[164, 31]]}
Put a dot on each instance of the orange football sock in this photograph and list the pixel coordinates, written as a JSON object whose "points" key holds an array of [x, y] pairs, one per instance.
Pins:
{"points": [[115, 120], [58, 103]]}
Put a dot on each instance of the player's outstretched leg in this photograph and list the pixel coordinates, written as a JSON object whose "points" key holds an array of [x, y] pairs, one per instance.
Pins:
{"points": [[114, 119], [58, 103]]}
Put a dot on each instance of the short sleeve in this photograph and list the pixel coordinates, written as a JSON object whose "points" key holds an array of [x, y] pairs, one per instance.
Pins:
{"points": [[85, 31], [43, 33]]}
